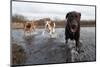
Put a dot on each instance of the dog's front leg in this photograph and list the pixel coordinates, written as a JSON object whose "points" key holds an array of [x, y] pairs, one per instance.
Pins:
{"points": [[33, 28], [53, 30], [50, 33], [77, 45]]}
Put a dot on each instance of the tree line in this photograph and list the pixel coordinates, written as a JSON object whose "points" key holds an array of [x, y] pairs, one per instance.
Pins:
{"points": [[59, 23]]}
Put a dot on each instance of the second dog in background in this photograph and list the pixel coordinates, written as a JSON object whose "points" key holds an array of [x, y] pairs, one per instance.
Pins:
{"points": [[49, 27]]}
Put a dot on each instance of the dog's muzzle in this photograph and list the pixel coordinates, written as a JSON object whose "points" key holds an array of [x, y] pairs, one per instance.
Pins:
{"points": [[74, 26]]}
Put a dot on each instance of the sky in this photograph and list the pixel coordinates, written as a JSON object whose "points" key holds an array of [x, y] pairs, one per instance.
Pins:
{"points": [[36, 11]]}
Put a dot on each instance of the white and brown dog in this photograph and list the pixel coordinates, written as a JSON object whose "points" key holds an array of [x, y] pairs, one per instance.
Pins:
{"points": [[49, 27], [29, 27]]}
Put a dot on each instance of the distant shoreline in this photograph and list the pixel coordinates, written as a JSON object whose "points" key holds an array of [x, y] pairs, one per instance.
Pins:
{"points": [[56, 27], [59, 24]]}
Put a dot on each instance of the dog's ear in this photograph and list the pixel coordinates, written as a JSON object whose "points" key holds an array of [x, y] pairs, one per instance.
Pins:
{"points": [[67, 15], [80, 14]]}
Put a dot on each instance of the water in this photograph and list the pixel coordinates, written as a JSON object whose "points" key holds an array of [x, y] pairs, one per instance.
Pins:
{"points": [[41, 49]]}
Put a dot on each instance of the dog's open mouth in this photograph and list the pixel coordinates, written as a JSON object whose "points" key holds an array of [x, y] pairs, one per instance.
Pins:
{"points": [[73, 28]]}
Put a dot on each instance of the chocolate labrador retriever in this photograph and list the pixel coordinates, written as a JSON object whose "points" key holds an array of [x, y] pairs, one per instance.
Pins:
{"points": [[72, 29]]}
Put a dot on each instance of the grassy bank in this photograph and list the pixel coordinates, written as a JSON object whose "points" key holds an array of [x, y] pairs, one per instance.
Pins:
{"points": [[18, 54]]}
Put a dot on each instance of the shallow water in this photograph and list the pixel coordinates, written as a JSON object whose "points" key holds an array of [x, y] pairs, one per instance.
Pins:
{"points": [[41, 49]]}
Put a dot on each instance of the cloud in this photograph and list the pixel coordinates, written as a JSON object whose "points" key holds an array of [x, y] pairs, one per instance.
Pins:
{"points": [[40, 10]]}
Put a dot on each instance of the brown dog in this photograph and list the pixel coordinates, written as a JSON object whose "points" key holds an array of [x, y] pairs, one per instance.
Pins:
{"points": [[29, 27], [72, 29]]}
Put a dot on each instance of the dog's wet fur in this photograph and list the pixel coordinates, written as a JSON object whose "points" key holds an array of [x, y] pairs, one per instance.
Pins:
{"points": [[72, 29]]}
